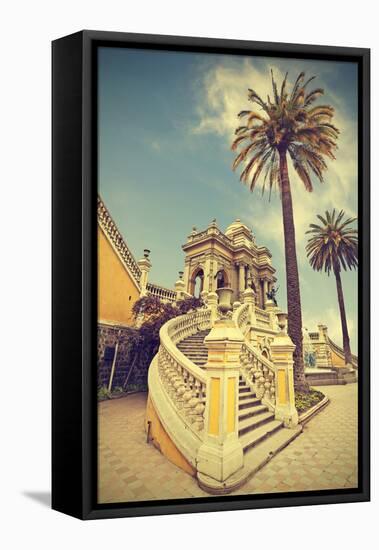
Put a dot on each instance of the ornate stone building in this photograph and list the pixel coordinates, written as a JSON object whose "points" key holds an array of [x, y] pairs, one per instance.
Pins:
{"points": [[215, 259]]}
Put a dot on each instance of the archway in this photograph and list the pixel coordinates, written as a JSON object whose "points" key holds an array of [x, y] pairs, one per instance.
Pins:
{"points": [[197, 282], [222, 279]]}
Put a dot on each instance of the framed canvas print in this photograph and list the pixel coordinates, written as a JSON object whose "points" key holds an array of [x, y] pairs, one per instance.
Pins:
{"points": [[210, 275]]}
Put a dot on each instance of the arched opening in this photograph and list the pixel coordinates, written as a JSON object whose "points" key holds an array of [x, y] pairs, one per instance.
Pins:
{"points": [[197, 283], [222, 279], [265, 354]]}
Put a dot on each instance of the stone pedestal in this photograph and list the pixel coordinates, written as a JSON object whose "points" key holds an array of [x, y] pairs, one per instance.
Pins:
{"points": [[272, 310], [282, 349], [221, 453], [212, 303], [145, 265], [179, 288]]}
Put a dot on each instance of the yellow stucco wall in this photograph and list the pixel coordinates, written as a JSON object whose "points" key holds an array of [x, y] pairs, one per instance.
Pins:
{"points": [[117, 291], [163, 442], [337, 360]]}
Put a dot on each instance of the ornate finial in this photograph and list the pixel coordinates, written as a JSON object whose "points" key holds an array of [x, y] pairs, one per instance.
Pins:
{"points": [[146, 252], [181, 274], [194, 229], [282, 321]]}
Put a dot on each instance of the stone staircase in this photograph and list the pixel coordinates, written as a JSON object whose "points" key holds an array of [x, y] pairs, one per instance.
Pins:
{"points": [[257, 427], [194, 348]]}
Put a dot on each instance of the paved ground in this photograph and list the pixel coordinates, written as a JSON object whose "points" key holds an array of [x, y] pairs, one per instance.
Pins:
{"points": [[324, 456]]}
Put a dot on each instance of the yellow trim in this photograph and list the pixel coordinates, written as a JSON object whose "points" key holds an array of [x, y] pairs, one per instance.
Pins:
{"points": [[282, 387], [231, 411], [214, 409]]}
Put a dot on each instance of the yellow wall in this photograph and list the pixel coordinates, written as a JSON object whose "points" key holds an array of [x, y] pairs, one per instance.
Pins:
{"points": [[337, 360], [117, 291], [163, 442]]}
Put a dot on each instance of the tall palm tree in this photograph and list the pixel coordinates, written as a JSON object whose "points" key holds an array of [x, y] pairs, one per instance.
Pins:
{"points": [[334, 245], [287, 125]]}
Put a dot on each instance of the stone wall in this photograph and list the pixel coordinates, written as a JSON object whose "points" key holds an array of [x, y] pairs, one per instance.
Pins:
{"points": [[107, 337]]}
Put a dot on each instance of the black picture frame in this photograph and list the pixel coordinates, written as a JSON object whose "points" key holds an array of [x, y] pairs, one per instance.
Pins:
{"points": [[74, 173]]}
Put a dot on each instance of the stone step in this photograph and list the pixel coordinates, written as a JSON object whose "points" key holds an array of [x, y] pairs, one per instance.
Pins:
{"points": [[193, 350], [254, 402], [248, 413], [252, 423], [188, 345], [243, 389], [244, 396], [253, 438], [197, 357]]}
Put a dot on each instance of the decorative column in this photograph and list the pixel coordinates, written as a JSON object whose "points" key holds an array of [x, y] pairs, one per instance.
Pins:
{"points": [[186, 277], [212, 303], [265, 290], [241, 279], [249, 298], [179, 287], [282, 349], [221, 453], [145, 265], [207, 285], [272, 310]]}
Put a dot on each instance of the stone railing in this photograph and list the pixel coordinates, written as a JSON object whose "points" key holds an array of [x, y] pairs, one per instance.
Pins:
{"points": [[260, 374], [339, 351], [163, 293], [214, 231], [110, 229], [241, 317], [263, 318], [272, 381], [184, 382]]}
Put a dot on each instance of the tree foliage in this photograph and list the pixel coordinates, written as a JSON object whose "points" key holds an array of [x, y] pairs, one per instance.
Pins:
{"points": [[156, 313], [288, 121], [334, 244]]}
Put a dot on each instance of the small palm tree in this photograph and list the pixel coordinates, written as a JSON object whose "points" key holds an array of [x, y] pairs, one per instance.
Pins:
{"points": [[287, 125], [334, 246]]}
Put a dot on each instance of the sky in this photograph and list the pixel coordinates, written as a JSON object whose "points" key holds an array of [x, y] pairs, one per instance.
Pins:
{"points": [[166, 123]]}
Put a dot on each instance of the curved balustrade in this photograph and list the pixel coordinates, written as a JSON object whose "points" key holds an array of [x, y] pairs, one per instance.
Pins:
{"points": [[183, 381]]}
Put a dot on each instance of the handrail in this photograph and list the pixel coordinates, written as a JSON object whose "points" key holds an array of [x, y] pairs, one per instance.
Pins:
{"points": [[241, 317], [161, 292], [184, 382], [340, 351], [262, 316], [259, 372], [110, 229], [179, 328]]}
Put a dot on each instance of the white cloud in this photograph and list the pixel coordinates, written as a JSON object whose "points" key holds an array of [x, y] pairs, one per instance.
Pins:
{"points": [[223, 94]]}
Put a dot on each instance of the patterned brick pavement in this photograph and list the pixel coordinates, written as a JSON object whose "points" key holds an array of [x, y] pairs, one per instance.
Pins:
{"points": [[324, 456]]}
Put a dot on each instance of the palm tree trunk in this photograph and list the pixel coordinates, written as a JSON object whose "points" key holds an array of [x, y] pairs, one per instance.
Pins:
{"points": [[345, 332], [295, 324]]}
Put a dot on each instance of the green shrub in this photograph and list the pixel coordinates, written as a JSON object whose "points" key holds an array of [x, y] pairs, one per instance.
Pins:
{"points": [[304, 401], [103, 393]]}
